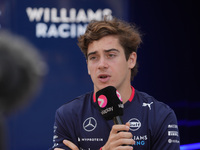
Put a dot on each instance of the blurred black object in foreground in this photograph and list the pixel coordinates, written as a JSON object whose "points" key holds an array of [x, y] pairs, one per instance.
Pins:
{"points": [[21, 71]]}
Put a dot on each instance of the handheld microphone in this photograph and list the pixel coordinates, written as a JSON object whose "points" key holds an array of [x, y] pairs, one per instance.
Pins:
{"points": [[110, 104]]}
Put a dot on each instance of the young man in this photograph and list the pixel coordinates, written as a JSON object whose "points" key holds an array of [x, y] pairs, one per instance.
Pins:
{"points": [[110, 48]]}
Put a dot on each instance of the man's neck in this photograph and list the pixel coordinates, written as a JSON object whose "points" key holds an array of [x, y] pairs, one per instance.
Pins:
{"points": [[125, 93]]}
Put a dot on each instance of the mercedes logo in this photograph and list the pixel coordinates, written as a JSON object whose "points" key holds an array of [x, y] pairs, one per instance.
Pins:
{"points": [[89, 124]]}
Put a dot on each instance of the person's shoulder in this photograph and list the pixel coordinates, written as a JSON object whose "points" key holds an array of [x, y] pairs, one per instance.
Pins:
{"points": [[76, 103], [150, 101]]}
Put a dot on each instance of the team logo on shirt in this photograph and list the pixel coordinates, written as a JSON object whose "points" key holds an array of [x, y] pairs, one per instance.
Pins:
{"points": [[173, 133], [89, 124], [148, 105], [135, 124]]}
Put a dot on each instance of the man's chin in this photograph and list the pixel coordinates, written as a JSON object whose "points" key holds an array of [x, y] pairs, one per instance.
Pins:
{"points": [[102, 86]]}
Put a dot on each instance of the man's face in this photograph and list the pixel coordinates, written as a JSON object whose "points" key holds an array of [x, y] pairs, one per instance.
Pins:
{"points": [[107, 64]]}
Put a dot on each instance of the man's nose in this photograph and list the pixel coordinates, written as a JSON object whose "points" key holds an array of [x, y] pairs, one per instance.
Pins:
{"points": [[103, 63]]}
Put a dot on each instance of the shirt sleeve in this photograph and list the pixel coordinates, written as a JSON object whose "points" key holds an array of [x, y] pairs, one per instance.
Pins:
{"points": [[63, 130], [165, 134]]}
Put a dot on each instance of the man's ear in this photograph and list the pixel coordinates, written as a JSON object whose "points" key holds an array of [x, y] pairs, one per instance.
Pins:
{"points": [[132, 60]]}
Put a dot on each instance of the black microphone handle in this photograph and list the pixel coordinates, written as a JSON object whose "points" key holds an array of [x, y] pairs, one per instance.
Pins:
{"points": [[117, 120]]}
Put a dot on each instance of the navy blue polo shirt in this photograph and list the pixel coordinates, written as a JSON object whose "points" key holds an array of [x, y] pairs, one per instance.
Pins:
{"points": [[152, 123]]}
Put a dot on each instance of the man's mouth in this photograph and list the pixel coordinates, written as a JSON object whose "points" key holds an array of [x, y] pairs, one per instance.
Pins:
{"points": [[104, 78]]}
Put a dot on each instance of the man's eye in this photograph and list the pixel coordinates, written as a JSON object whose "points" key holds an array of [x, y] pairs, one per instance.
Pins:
{"points": [[111, 55], [92, 58]]}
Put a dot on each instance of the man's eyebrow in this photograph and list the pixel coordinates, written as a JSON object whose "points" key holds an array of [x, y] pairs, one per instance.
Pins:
{"points": [[112, 49], [91, 53], [107, 51]]}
